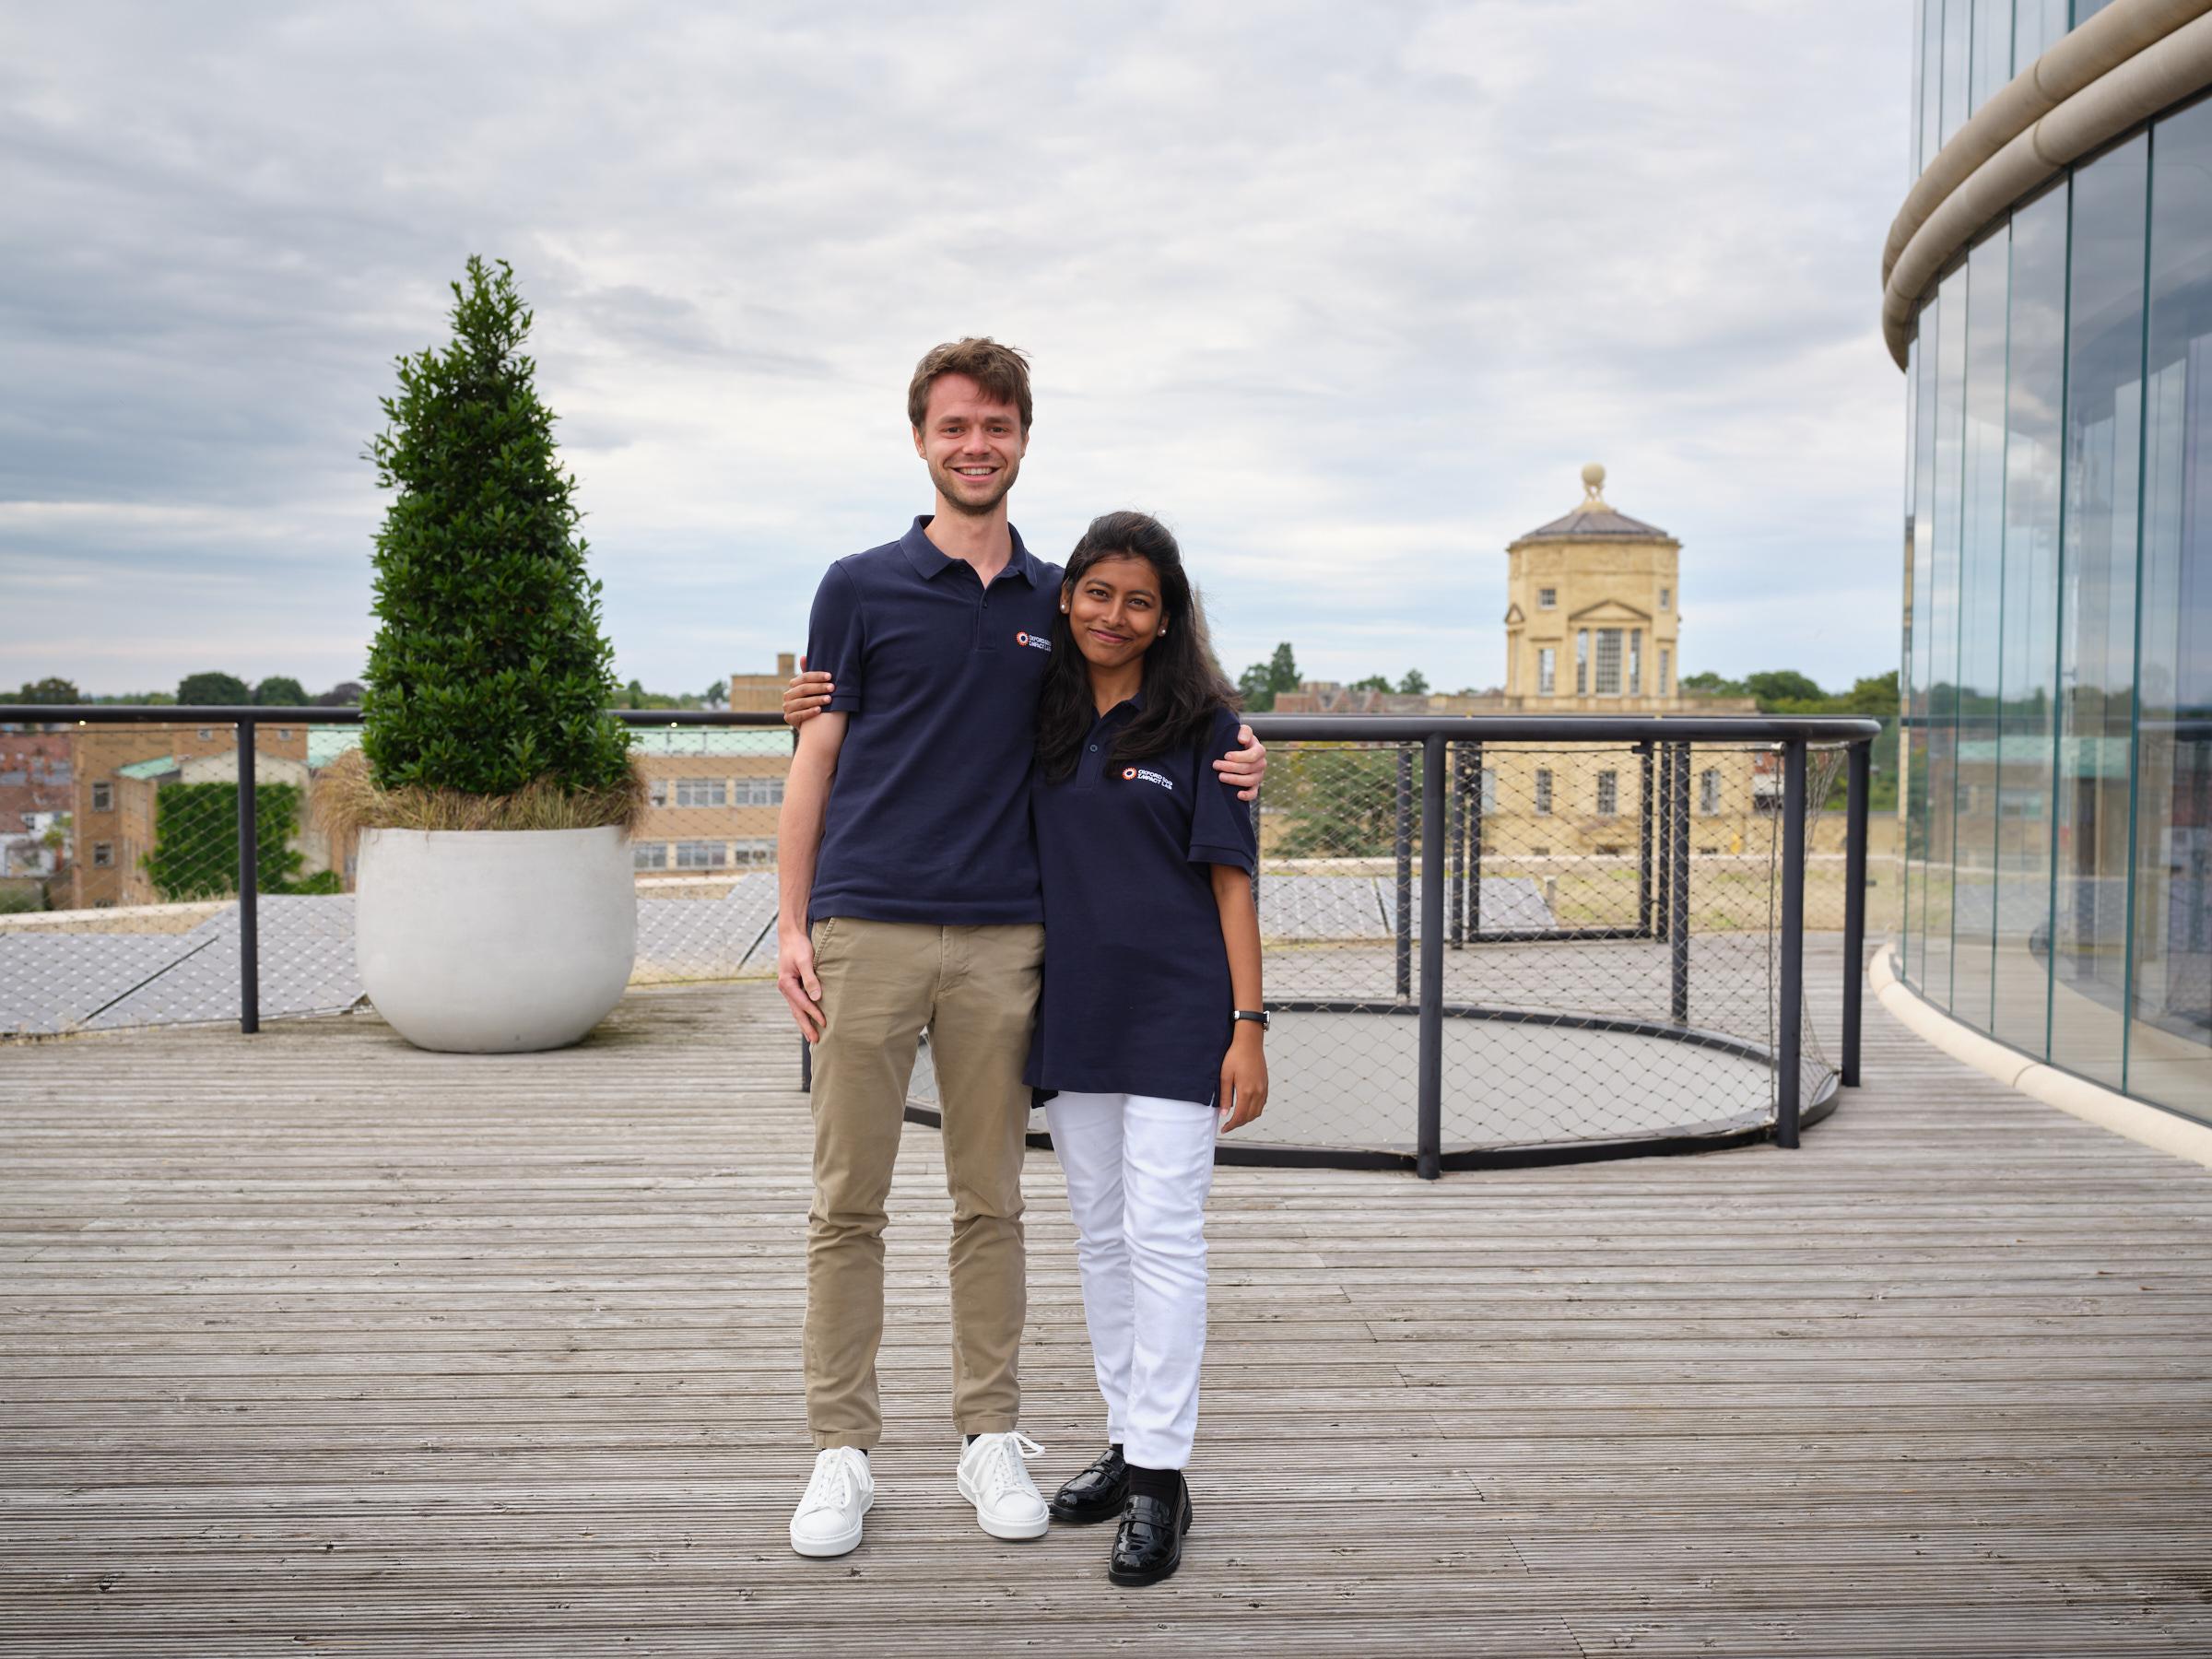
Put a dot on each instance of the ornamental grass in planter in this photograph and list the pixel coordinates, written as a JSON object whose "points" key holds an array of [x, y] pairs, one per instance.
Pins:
{"points": [[494, 792]]}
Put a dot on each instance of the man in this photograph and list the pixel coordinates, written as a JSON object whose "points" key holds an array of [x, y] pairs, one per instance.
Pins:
{"points": [[908, 898]]}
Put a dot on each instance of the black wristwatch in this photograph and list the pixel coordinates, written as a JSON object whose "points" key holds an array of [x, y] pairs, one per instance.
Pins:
{"points": [[1258, 1018]]}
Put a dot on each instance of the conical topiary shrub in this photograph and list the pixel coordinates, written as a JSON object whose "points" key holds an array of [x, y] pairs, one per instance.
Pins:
{"points": [[490, 678]]}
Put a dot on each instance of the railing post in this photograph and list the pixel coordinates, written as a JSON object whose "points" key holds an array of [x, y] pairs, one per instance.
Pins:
{"points": [[1458, 770], [1678, 882], [1644, 842], [1429, 1126], [1474, 764], [1404, 895], [248, 888], [1861, 757], [1789, 1080]]}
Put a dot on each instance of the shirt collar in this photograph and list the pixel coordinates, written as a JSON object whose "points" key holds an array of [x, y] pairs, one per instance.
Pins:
{"points": [[930, 562]]}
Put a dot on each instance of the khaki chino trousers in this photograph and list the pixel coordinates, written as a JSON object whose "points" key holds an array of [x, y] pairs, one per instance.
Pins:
{"points": [[975, 988]]}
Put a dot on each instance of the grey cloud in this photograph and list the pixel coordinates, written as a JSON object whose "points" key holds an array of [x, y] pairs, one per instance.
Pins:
{"points": [[1349, 302]]}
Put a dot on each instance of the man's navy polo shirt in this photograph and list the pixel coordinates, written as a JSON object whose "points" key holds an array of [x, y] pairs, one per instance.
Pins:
{"points": [[928, 815], [1137, 990]]}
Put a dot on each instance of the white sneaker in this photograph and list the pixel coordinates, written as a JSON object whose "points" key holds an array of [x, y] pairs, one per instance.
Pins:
{"points": [[993, 1478], [828, 1523]]}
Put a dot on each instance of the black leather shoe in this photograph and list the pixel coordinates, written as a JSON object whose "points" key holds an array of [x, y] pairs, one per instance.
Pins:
{"points": [[1097, 1494], [1147, 1545]]}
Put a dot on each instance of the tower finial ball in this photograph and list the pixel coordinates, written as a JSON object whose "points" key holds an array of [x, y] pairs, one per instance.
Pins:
{"points": [[1593, 476]]}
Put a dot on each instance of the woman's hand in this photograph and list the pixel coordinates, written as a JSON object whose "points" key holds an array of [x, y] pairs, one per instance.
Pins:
{"points": [[807, 695], [1243, 767], [1243, 1078]]}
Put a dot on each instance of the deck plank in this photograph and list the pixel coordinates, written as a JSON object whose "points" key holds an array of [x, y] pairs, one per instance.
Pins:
{"points": [[310, 1339]]}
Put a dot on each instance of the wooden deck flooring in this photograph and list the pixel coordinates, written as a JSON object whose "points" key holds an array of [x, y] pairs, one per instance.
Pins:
{"points": [[311, 1342]]}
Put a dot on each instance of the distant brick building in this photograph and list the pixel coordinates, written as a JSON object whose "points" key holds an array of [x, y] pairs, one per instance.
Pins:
{"points": [[117, 772]]}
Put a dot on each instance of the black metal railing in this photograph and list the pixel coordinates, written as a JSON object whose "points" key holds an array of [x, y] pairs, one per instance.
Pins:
{"points": [[1438, 886]]}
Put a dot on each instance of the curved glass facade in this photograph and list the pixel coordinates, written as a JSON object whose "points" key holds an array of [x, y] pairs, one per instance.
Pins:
{"points": [[2057, 652]]}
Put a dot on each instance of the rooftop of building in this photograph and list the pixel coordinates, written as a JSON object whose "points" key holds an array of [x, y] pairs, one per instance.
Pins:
{"points": [[1594, 518]]}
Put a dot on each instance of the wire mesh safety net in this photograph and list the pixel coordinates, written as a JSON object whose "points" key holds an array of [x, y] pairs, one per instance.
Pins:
{"points": [[1611, 917]]}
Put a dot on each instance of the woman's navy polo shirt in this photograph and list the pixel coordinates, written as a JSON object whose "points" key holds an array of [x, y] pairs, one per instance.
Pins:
{"points": [[1137, 992], [928, 816]]}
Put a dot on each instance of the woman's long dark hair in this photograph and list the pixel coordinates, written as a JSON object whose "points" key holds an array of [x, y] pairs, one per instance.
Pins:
{"points": [[1183, 685]]}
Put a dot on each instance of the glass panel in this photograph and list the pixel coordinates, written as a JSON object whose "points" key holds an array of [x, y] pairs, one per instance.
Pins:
{"points": [[1546, 670], [2170, 1038], [2086, 9], [2036, 24], [1908, 743], [1920, 70], [1981, 599], [1958, 45], [1943, 637], [1923, 632], [1993, 49], [1581, 661], [2035, 388], [1931, 83], [2097, 611]]}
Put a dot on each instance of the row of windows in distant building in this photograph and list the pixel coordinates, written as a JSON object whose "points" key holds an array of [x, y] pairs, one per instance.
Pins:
{"points": [[1608, 679], [1609, 793], [716, 792]]}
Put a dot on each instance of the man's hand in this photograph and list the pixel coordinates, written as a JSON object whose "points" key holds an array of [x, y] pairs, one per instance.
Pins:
{"points": [[1243, 1078], [795, 978], [1243, 767], [807, 695]]}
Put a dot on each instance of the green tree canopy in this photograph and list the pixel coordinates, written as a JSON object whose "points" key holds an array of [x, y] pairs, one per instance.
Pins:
{"points": [[1776, 687], [214, 689], [1415, 684], [489, 670], [280, 692], [51, 689], [1710, 684], [1373, 682]]}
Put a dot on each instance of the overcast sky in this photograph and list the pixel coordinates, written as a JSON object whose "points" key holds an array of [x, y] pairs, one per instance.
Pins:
{"points": [[1347, 292]]}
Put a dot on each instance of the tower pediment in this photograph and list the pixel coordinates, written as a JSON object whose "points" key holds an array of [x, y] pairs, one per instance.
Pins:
{"points": [[1513, 616], [1609, 611]]}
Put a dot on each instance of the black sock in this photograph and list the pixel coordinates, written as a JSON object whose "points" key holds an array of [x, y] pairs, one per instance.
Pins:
{"points": [[1163, 1484]]}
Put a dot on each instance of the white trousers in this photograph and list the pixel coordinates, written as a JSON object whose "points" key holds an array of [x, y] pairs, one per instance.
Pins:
{"points": [[1138, 1170]]}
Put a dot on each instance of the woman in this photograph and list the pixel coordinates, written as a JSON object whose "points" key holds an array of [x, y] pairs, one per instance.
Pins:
{"points": [[1148, 1032]]}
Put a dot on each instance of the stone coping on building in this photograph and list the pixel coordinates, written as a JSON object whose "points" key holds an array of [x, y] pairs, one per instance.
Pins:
{"points": [[2139, 1121]]}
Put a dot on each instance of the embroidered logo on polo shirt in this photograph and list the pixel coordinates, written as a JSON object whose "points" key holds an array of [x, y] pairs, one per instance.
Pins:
{"points": [[1138, 774], [1034, 641]]}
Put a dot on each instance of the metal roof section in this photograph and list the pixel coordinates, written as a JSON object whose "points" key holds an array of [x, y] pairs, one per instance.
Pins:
{"points": [[1594, 519]]}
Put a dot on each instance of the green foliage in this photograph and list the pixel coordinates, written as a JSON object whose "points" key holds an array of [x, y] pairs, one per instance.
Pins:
{"points": [[717, 694], [208, 689], [1342, 802], [489, 670], [1262, 682], [195, 840], [51, 689], [20, 898], [280, 692], [1777, 686], [1373, 682], [1710, 684], [1415, 684]]}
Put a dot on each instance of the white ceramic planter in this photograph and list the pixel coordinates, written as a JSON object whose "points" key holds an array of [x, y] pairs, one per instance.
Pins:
{"points": [[495, 941]]}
